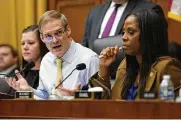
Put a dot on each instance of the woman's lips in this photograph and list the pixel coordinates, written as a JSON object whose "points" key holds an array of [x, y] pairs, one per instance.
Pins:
{"points": [[126, 47]]}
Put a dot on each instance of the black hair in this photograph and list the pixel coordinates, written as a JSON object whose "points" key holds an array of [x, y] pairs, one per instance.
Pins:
{"points": [[153, 43]]}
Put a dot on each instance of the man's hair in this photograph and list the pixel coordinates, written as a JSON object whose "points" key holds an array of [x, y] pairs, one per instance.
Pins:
{"points": [[35, 28], [13, 51], [153, 44], [50, 15]]}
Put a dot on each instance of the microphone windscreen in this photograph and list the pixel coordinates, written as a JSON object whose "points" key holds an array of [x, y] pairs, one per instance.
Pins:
{"points": [[29, 65], [81, 66]]}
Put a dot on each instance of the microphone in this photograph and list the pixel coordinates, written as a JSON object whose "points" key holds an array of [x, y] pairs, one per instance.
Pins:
{"points": [[26, 67], [80, 66]]}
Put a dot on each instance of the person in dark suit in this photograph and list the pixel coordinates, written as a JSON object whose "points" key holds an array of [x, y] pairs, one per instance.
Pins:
{"points": [[98, 18], [8, 64], [33, 49]]}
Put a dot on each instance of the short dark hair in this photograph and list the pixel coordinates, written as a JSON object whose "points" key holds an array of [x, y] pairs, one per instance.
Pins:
{"points": [[13, 50]]}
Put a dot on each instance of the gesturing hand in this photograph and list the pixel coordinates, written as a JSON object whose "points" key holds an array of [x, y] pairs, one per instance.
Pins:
{"points": [[20, 84], [68, 92]]}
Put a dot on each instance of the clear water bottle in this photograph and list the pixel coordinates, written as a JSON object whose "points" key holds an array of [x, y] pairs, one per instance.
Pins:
{"points": [[167, 89]]}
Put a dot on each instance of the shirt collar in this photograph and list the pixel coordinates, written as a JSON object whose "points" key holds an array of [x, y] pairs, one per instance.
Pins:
{"points": [[69, 54], [112, 4]]}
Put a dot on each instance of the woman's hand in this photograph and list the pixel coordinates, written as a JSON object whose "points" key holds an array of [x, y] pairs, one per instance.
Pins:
{"points": [[108, 55], [106, 58], [20, 84]]}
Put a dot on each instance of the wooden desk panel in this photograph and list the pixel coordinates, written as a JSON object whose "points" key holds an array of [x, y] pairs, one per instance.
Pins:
{"points": [[88, 109]]}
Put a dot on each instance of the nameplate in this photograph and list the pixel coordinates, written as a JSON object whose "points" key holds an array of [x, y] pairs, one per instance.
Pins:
{"points": [[87, 95], [149, 95], [24, 95]]}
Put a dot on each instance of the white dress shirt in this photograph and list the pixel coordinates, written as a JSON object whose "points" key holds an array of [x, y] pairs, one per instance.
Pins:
{"points": [[75, 55], [116, 21]]}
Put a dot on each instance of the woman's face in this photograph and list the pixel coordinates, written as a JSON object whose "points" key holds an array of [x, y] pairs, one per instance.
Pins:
{"points": [[131, 36], [30, 47]]}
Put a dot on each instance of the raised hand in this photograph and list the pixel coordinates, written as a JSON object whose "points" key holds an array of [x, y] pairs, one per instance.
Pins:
{"points": [[108, 56], [20, 84]]}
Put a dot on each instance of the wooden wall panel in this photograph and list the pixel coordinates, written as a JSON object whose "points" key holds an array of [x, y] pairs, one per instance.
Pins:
{"points": [[103, 1], [76, 12]]}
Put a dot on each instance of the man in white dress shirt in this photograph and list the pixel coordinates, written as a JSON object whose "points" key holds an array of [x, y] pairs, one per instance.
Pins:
{"points": [[55, 33]]}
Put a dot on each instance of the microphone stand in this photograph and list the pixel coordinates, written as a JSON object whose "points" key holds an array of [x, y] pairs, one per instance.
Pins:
{"points": [[80, 66], [177, 88], [65, 79], [106, 88]]}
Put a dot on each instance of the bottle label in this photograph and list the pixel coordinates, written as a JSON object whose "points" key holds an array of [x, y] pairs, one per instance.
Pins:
{"points": [[171, 93], [163, 93], [167, 93]]}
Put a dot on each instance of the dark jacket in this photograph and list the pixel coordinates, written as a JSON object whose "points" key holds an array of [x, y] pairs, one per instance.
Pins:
{"points": [[4, 87], [96, 16]]}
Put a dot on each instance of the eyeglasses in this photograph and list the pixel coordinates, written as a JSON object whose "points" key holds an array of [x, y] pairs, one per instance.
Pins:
{"points": [[56, 34]]}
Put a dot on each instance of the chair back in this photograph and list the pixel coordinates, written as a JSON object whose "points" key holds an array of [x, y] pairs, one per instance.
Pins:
{"points": [[101, 43]]}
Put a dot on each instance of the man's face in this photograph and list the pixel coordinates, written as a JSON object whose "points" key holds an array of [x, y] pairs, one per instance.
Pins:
{"points": [[119, 1], [56, 36], [6, 58]]}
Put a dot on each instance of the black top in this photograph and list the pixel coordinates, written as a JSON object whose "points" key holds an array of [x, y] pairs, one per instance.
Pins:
{"points": [[32, 77]]}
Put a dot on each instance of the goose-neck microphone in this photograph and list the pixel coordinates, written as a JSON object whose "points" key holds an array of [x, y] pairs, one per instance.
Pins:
{"points": [[80, 66]]}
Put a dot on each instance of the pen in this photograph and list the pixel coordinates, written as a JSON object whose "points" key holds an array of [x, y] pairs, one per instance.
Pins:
{"points": [[120, 48]]}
